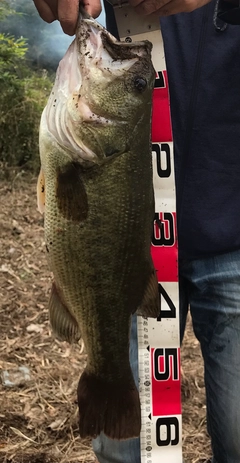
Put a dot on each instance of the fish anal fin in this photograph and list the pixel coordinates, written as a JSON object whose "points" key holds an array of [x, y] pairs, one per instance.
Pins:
{"points": [[111, 407], [41, 192], [70, 192], [150, 305], [63, 324]]}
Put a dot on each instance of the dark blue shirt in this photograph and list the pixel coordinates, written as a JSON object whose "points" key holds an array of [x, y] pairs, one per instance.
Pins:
{"points": [[203, 66], [203, 63]]}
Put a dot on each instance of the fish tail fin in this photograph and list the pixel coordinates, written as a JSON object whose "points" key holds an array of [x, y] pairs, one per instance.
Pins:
{"points": [[112, 407]]}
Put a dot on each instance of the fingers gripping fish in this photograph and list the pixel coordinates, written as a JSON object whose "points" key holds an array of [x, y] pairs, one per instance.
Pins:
{"points": [[95, 189]]}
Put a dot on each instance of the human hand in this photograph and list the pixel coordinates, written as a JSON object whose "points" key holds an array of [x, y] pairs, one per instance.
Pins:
{"points": [[66, 11], [166, 7]]}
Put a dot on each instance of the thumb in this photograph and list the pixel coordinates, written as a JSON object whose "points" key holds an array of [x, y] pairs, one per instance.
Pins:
{"points": [[92, 7]]}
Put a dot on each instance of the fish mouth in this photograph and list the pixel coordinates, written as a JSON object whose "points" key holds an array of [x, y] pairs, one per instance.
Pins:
{"points": [[94, 40], [103, 58]]}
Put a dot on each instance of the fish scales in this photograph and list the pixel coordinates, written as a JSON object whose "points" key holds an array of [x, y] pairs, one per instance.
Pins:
{"points": [[98, 279], [98, 206]]}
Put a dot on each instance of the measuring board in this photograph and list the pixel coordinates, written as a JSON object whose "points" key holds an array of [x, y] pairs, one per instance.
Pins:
{"points": [[158, 340]]}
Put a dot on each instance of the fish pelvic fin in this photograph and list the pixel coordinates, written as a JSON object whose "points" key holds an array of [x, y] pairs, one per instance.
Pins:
{"points": [[150, 306], [41, 192], [63, 324], [111, 407]]}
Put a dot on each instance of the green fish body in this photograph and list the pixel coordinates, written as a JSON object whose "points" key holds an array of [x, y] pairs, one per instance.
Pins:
{"points": [[96, 191]]}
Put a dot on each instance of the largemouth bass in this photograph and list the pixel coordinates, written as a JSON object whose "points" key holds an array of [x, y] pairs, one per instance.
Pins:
{"points": [[96, 191]]}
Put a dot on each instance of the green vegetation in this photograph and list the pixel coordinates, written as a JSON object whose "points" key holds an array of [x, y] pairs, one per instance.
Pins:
{"points": [[46, 42], [24, 92]]}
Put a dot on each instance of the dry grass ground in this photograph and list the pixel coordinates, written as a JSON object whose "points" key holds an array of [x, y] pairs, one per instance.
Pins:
{"points": [[38, 418]]}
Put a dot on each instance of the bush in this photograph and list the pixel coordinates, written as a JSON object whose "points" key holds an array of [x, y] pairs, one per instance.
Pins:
{"points": [[22, 98]]}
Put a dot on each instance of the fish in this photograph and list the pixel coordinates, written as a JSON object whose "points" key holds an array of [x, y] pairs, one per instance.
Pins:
{"points": [[95, 189]]}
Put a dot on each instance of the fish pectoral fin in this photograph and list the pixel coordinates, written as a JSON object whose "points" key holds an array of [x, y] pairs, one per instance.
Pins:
{"points": [[70, 192], [109, 406], [150, 306], [63, 324], [41, 192]]}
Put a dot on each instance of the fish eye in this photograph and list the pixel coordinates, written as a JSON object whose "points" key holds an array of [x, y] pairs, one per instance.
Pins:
{"points": [[140, 83]]}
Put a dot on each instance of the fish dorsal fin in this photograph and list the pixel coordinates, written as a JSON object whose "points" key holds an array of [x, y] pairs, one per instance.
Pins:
{"points": [[150, 306], [41, 192], [63, 324]]}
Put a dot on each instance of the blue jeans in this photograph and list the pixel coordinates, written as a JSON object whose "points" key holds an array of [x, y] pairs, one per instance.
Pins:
{"points": [[211, 288]]}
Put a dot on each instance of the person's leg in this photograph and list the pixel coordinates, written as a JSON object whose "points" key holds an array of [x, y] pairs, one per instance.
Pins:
{"points": [[215, 306], [112, 451]]}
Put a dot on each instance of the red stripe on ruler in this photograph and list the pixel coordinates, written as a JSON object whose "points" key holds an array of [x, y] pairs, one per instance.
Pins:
{"points": [[161, 118], [166, 390]]}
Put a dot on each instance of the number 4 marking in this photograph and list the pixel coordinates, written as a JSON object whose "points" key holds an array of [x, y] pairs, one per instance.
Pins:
{"points": [[166, 313]]}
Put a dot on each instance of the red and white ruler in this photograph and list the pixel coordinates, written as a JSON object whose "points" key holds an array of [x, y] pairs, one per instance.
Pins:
{"points": [[158, 340]]}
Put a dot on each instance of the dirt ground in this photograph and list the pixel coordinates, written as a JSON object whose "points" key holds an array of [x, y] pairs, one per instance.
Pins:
{"points": [[38, 417]]}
